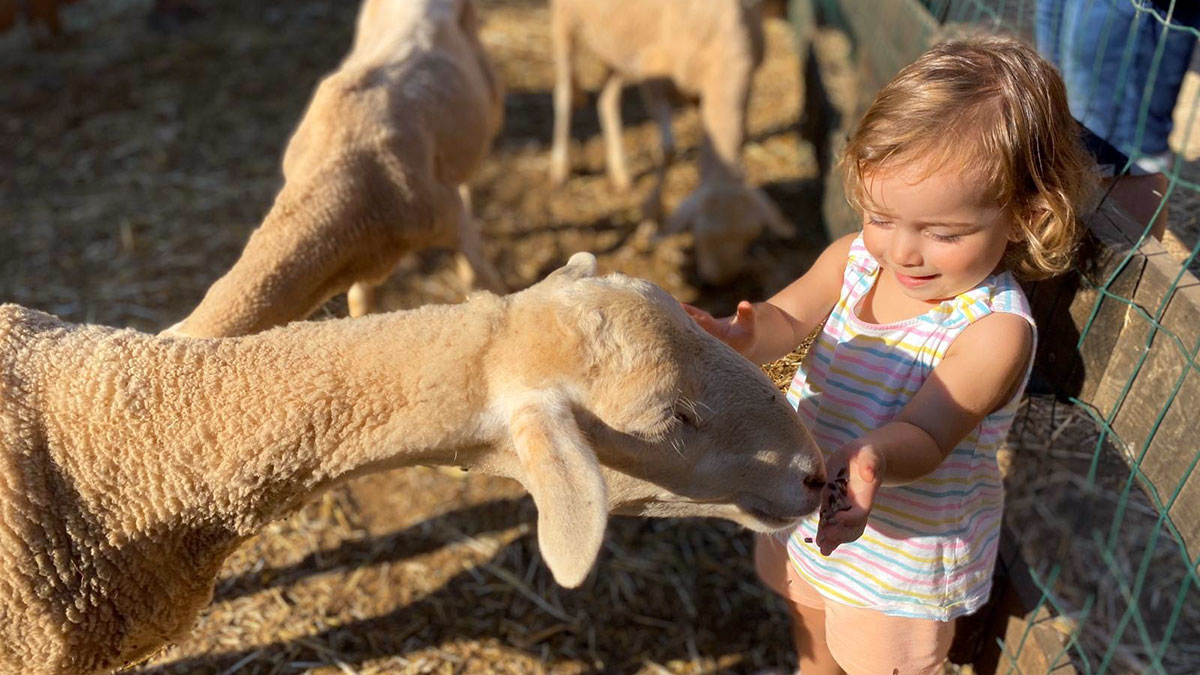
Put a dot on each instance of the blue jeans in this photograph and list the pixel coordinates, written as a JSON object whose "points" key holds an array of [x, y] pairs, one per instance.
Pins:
{"points": [[1105, 50]]}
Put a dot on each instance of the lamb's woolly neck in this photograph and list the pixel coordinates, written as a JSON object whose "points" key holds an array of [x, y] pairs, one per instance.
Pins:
{"points": [[298, 258], [240, 430]]}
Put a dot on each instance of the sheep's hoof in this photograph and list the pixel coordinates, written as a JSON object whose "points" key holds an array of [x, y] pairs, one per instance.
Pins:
{"points": [[559, 172]]}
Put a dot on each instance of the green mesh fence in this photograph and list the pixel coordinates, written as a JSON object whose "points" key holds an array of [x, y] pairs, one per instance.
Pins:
{"points": [[1103, 490]]}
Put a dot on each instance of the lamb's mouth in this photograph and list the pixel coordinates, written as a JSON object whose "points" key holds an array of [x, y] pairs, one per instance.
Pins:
{"points": [[676, 507], [770, 522], [751, 516]]}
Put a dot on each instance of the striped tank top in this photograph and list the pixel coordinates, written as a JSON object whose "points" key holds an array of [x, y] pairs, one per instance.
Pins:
{"points": [[930, 546]]}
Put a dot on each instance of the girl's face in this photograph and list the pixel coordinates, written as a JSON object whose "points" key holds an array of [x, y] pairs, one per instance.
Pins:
{"points": [[938, 235]]}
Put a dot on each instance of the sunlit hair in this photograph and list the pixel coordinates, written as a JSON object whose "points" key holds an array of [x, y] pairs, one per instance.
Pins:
{"points": [[993, 106]]}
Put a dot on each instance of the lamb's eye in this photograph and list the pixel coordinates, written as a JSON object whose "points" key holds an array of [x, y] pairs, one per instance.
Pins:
{"points": [[687, 417]]}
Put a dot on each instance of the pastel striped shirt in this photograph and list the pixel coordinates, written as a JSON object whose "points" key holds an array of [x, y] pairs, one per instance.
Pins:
{"points": [[930, 546]]}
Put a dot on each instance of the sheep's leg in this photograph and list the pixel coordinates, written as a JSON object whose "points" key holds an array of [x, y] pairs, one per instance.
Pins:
{"points": [[610, 126], [723, 115], [472, 265], [655, 96], [559, 160], [361, 298]]}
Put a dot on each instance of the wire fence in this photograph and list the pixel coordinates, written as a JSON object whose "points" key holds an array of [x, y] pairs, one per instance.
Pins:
{"points": [[1103, 489]]}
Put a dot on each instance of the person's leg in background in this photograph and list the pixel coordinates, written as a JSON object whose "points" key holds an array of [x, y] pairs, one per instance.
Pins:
{"points": [[1159, 62], [1123, 69], [1047, 19], [1158, 91]]}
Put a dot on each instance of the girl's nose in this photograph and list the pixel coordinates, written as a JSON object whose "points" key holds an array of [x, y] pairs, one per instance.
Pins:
{"points": [[905, 248]]}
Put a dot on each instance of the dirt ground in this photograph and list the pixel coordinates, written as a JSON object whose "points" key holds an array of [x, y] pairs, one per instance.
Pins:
{"points": [[135, 163]]}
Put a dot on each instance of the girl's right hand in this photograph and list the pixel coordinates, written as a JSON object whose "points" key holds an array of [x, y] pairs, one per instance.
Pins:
{"points": [[737, 331]]}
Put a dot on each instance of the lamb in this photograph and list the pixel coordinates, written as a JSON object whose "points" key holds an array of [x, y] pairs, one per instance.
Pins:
{"points": [[376, 169], [704, 48], [132, 465]]}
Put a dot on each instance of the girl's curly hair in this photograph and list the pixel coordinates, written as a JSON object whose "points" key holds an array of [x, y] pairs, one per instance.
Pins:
{"points": [[994, 106]]}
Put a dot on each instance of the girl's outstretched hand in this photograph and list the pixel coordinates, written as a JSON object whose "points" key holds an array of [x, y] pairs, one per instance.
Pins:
{"points": [[856, 472], [737, 331]]}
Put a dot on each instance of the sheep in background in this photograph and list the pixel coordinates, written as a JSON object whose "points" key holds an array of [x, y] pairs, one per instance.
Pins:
{"points": [[703, 48], [725, 216], [132, 465], [376, 169]]}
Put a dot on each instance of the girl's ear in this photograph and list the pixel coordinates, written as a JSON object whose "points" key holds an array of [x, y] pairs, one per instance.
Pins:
{"points": [[1017, 219]]}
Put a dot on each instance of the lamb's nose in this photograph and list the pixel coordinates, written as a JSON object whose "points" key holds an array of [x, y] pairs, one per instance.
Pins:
{"points": [[816, 481]]}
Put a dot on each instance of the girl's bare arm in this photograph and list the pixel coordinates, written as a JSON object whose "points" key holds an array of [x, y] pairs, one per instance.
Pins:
{"points": [[786, 318]]}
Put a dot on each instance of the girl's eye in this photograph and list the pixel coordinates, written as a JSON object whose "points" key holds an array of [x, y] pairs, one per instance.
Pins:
{"points": [[877, 222], [945, 238]]}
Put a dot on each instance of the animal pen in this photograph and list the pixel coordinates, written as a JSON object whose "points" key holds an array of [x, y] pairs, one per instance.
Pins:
{"points": [[136, 164], [1098, 569]]}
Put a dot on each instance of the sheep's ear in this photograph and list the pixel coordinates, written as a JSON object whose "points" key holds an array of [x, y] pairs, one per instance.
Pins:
{"points": [[580, 265], [772, 216], [560, 470]]}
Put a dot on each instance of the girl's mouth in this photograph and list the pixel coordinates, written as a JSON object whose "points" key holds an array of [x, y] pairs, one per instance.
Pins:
{"points": [[914, 282]]}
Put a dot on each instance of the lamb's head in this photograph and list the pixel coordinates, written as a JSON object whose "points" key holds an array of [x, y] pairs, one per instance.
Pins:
{"points": [[725, 218], [618, 403]]}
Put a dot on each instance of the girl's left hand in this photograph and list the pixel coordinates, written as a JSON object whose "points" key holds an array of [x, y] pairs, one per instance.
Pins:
{"points": [[846, 503]]}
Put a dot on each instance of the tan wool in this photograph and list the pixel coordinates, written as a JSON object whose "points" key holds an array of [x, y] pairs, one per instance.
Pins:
{"points": [[376, 169]]}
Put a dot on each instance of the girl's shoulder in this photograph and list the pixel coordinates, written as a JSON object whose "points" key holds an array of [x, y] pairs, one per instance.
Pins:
{"points": [[858, 258], [860, 269], [999, 293]]}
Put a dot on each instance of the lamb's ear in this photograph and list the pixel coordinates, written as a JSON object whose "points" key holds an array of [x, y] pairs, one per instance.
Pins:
{"points": [[772, 216], [580, 265], [560, 470]]}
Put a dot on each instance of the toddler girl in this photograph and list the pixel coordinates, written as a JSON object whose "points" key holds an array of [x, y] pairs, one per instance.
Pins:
{"points": [[968, 173]]}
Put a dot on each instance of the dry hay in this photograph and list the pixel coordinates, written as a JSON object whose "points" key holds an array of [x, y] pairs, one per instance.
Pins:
{"points": [[1062, 520]]}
